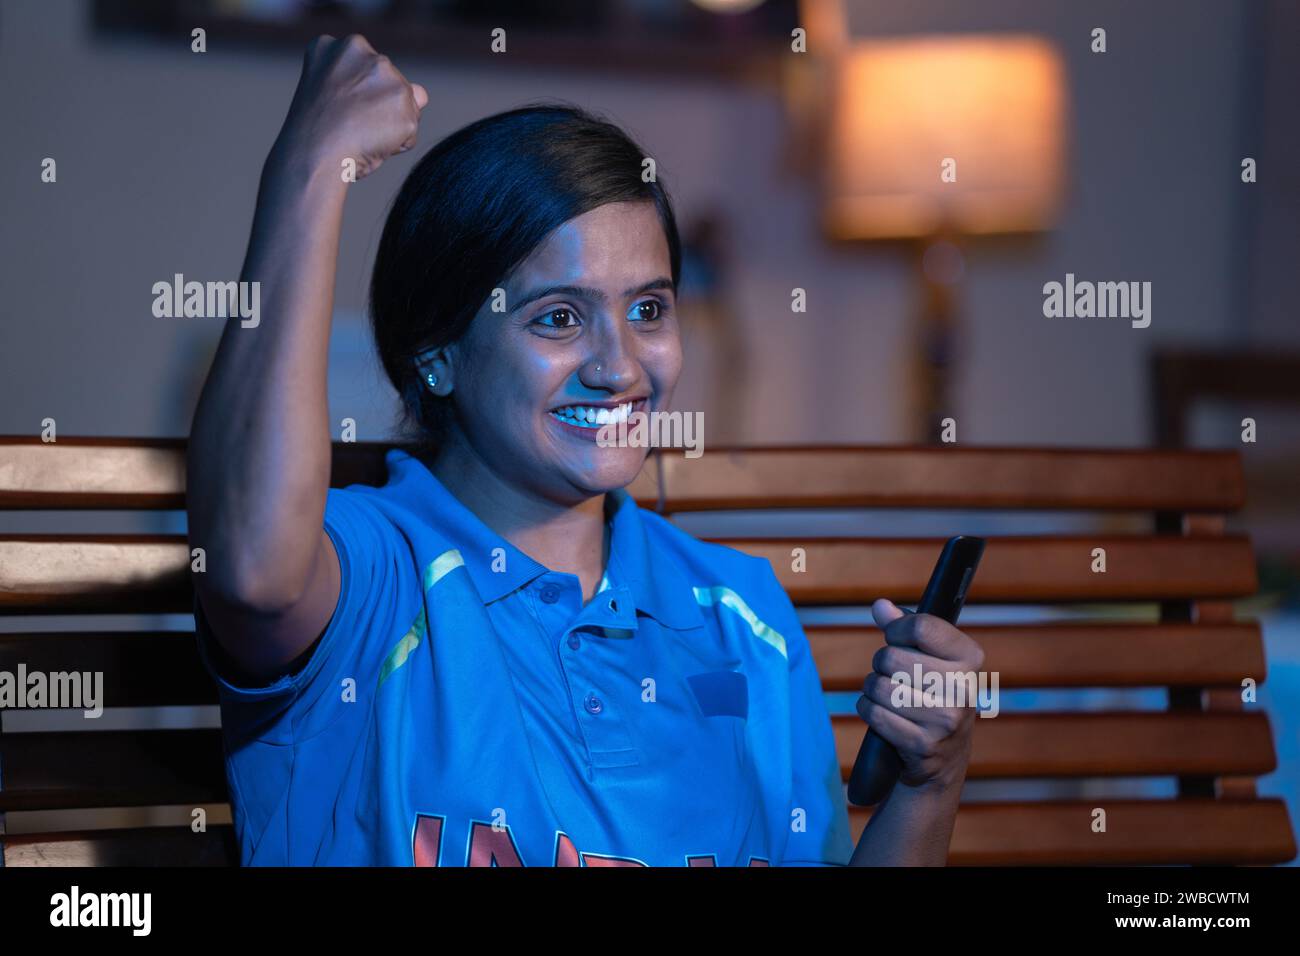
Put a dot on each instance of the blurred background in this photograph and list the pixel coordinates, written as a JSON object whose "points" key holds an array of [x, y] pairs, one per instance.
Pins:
{"points": [[808, 162]]}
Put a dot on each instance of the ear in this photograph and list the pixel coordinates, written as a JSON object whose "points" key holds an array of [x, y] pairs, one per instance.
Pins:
{"points": [[438, 363]]}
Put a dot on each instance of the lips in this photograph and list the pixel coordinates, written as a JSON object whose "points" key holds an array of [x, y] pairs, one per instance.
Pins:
{"points": [[586, 421]]}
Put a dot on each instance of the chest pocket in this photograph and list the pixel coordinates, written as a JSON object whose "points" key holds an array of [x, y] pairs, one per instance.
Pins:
{"points": [[721, 693]]}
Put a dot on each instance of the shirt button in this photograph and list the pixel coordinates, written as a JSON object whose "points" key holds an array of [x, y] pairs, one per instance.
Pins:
{"points": [[574, 641], [550, 594], [593, 704]]}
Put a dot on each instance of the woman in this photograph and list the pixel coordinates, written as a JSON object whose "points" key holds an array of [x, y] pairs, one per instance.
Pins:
{"points": [[497, 658]]}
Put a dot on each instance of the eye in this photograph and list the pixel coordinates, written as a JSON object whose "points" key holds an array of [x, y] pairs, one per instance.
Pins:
{"points": [[565, 318], [647, 311]]}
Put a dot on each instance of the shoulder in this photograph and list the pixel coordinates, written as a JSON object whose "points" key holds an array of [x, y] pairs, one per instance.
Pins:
{"points": [[707, 562], [392, 521], [395, 503], [399, 487], [723, 575]]}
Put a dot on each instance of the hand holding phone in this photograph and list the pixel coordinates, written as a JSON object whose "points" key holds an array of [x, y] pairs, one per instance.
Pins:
{"points": [[878, 765]]}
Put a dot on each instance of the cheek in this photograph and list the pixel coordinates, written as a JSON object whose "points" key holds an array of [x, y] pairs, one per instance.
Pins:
{"points": [[663, 361], [536, 375], [512, 375]]}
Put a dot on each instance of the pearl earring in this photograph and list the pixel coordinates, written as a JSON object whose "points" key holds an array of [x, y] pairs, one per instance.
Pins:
{"points": [[433, 379]]}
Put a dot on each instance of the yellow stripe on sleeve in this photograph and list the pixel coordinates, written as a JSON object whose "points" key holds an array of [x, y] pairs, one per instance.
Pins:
{"points": [[438, 569], [729, 598]]}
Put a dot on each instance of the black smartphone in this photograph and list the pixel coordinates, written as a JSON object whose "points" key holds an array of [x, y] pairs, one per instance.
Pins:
{"points": [[878, 765]]}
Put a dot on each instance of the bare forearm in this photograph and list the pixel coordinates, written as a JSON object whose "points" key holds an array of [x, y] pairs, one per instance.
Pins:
{"points": [[259, 453], [912, 827]]}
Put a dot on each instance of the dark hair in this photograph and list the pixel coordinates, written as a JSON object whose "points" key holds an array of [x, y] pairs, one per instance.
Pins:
{"points": [[472, 209]]}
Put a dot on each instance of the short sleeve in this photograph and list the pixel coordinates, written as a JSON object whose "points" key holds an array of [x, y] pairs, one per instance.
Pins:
{"points": [[817, 786], [372, 560]]}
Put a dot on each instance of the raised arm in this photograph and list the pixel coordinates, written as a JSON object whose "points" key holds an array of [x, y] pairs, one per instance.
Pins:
{"points": [[259, 453]]}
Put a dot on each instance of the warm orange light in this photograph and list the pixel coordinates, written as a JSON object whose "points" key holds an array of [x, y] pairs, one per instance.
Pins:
{"points": [[995, 105], [728, 6]]}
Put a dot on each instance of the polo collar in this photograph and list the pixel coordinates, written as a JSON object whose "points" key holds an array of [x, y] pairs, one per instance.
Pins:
{"points": [[658, 583], [658, 586], [495, 566]]}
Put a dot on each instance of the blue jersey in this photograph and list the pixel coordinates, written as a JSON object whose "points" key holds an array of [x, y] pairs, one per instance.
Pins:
{"points": [[466, 707]]}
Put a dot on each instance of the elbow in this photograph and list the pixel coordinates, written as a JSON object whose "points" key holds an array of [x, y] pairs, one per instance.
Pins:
{"points": [[253, 588]]}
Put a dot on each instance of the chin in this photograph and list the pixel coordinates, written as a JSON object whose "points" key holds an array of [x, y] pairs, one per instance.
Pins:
{"points": [[611, 471]]}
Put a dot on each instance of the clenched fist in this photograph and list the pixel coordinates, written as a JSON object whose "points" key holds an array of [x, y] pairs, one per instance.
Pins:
{"points": [[351, 104]]}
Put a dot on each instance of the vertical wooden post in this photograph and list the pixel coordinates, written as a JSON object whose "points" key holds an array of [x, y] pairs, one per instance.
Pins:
{"points": [[1202, 699]]}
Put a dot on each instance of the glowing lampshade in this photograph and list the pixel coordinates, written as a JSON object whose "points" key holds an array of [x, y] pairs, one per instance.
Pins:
{"points": [[994, 104], [728, 6]]}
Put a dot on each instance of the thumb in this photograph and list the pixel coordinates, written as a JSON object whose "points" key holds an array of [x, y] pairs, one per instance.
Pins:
{"points": [[421, 95], [886, 612]]}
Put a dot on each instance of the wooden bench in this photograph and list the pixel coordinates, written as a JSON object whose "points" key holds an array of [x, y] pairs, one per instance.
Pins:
{"points": [[1183, 564]]}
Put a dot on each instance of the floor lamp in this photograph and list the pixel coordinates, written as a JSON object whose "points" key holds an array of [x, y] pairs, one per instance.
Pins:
{"points": [[932, 140]]}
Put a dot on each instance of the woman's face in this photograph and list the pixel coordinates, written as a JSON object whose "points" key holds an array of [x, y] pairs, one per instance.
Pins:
{"points": [[589, 323]]}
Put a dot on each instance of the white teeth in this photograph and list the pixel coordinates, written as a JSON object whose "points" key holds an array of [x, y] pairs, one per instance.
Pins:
{"points": [[592, 417]]}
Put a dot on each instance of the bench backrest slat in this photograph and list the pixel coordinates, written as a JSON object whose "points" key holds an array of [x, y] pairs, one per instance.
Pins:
{"points": [[121, 473], [119, 573]]}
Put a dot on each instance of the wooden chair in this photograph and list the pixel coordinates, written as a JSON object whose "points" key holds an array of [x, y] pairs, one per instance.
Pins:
{"points": [[1187, 564]]}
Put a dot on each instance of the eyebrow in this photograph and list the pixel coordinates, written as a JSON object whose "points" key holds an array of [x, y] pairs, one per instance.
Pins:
{"points": [[590, 292]]}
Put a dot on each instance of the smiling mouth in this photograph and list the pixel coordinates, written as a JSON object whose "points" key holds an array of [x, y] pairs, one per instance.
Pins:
{"points": [[597, 416]]}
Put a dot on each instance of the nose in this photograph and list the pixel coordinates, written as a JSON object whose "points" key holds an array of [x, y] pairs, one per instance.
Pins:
{"points": [[612, 364]]}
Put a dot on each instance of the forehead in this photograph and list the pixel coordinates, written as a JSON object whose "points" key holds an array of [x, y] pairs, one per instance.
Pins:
{"points": [[619, 244]]}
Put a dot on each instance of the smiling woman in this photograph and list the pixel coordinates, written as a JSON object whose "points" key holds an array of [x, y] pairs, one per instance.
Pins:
{"points": [[527, 267], [611, 341], [496, 657]]}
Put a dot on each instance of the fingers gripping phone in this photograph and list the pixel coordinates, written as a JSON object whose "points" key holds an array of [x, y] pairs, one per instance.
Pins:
{"points": [[878, 765]]}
